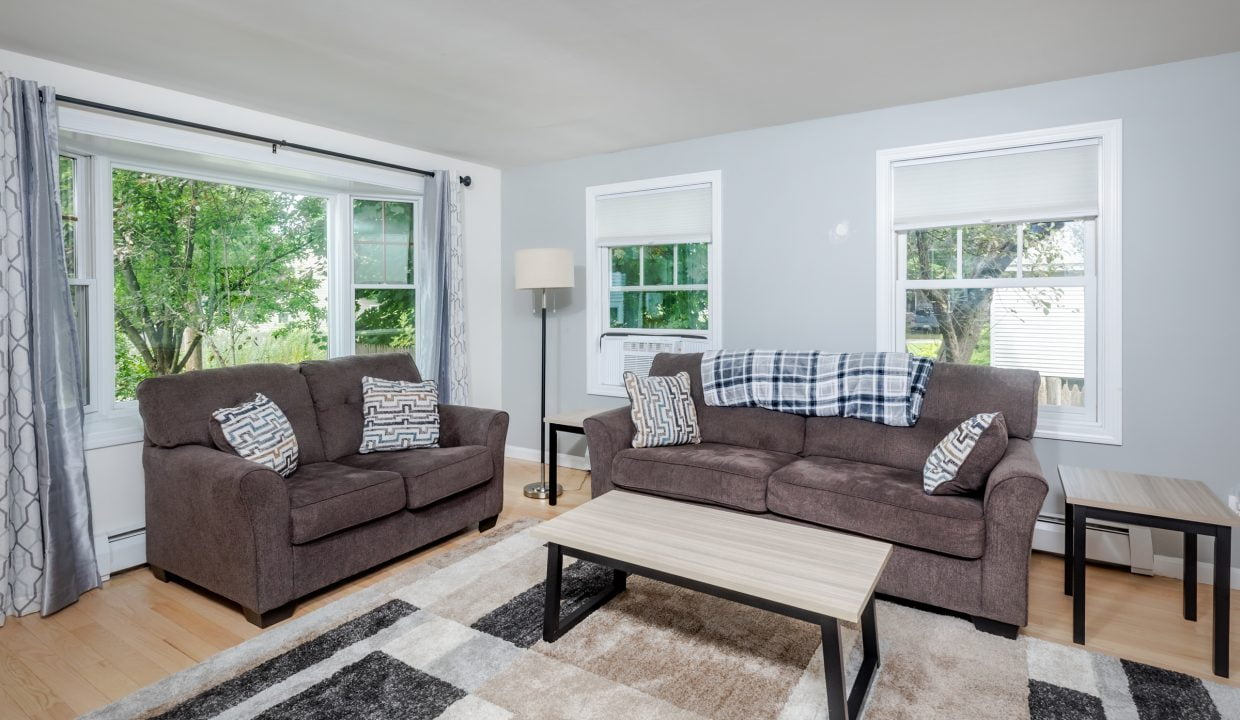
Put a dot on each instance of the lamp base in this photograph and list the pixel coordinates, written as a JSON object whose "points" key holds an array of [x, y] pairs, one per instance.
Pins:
{"points": [[542, 491]]}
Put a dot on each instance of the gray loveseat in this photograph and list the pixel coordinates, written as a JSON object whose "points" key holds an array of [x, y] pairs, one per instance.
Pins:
{"points": [[241, 530], [968, 554]]}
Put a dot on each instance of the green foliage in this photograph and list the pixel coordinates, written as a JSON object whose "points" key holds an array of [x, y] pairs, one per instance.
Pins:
{"points": [[663, 270], [959, 318], [384, 318], [210, 274]]}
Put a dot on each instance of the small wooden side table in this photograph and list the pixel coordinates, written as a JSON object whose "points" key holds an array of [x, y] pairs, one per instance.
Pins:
{"points": [[1185, 506], [572, 421]]}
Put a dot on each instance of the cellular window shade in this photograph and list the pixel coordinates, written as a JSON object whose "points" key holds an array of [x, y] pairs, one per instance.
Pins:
{"points": [[1057, 182], [679, 215]]}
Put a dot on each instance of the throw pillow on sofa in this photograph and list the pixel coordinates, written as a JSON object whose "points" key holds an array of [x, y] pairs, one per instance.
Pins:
{"points": [[962, 461], [258, 431], [399, 415], [662, 410]]}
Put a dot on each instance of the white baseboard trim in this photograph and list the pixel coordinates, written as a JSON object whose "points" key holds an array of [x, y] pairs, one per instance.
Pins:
{"points": [[577, 462], [120, 552], [1108, 547]]}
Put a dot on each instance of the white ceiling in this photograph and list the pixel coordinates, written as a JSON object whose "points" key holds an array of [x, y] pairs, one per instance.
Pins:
{"points": [[511, 82]]}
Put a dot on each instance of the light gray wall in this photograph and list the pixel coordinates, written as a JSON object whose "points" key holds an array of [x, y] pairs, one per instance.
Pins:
{"points": [[788, 285]]}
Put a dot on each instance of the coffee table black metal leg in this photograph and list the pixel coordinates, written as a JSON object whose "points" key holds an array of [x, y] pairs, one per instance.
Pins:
{"points": [[833, 665], [551, 606], [1222, 601], [844, 704], [553, 464], [1078, 575], [1067, 548], [1190, 576]]}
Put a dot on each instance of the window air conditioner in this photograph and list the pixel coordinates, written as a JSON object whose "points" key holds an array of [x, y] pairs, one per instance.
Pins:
{"points": [[635, 353]]}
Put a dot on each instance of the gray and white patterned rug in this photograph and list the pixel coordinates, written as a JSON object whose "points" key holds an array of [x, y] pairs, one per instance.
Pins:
{"points": [[459, 636]]}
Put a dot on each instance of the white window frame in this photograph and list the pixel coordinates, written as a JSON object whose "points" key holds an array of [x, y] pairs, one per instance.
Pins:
{"points": [[354, 286], [1101, 420], [110, 422], [598, 284]]}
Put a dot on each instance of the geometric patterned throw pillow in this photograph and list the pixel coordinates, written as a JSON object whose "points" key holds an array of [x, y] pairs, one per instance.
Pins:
{"points": [[399, 415], [259, 431], [662, 410], [961, 463]]}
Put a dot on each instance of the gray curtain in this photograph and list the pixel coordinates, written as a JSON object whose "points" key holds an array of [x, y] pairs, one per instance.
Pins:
{"points": [[439, 318], [47, 556]]}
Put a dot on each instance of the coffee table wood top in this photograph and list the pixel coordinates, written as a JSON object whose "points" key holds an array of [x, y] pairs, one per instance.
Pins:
{"points": [[1164, 497], [813, 569]]}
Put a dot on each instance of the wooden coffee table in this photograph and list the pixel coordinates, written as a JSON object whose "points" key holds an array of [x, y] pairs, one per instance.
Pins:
{"points": [[1185, 506], [806, 573]]}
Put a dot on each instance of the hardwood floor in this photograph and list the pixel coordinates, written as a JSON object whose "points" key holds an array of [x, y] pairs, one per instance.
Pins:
{"points": [[136, 630]]}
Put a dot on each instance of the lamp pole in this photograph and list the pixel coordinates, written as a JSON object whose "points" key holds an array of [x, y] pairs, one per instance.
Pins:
{"points": [[540, 490]]}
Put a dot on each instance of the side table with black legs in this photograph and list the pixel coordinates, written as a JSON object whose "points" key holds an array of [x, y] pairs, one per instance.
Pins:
{"points": [[1185, 506], [572, 421]]}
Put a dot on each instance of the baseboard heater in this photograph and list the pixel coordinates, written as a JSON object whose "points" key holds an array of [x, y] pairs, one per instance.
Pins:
{"points": [[1131, 547], [120, 551]]}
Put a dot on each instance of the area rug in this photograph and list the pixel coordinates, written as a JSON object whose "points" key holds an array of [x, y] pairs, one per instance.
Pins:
{"points": [[459, 637]]}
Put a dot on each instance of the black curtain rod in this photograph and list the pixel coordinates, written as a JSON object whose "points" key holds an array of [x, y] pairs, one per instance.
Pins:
{"points": [[273, 142]]}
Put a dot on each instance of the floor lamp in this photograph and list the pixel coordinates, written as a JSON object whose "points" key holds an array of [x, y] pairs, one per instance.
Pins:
{"points": [[544, 269]]}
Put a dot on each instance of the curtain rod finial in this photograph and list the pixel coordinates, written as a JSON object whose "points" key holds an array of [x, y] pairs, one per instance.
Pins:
{"points": [[466, 180]]}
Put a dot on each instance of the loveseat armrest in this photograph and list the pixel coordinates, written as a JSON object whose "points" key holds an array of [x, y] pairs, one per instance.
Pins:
{"points": [[1014, 495], [219, 521], [606, 434], [461, 425]]}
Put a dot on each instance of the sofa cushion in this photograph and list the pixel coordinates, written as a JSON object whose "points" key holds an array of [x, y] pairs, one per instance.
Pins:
{"points": [[961, 463], [751, 427], [336, 388], [326, 497], [662, 410], [727, 475], [431, 474], [881, 502], [176, 409]]}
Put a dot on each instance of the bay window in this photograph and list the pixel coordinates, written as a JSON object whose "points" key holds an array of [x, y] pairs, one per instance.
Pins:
{"points": [[208, 254], [1004, 252]]}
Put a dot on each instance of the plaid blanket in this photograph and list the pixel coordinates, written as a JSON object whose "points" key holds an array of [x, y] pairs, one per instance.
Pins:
{"points": [[882, 387]]}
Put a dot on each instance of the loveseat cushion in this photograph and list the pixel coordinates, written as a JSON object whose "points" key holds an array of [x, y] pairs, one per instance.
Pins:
{"points": [[726, 475], [336, 388], [879, 501], [431, 474], [327, 497]]}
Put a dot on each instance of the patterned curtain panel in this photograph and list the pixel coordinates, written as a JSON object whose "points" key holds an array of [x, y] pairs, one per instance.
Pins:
{"points": [[47, 556], [439, 319]]}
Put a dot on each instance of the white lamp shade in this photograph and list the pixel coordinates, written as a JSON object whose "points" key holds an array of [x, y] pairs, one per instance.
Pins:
{"points": [[544, 268]]}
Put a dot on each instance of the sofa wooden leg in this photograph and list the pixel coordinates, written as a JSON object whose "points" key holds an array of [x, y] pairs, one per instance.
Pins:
{"points": [[161, 574], [488, 523], [271, 617], [994, 627]]}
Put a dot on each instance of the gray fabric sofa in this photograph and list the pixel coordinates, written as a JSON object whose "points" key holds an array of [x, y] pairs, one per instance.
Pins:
{"points": [[968, 554], [244, 532]]}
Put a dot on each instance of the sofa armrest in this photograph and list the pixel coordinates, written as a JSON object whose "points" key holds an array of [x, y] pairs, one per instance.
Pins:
{"points": [[219, 521], [606, 434], [1014, 495]]}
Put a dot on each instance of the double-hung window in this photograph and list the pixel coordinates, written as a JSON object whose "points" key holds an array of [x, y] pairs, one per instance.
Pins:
{"points": [[653, 271], [383, 274], [79, 260], [1004, 251]]}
